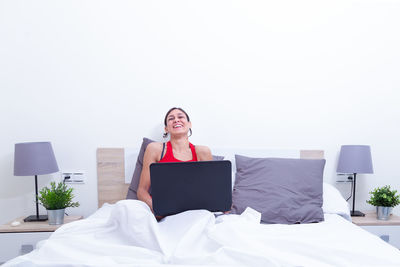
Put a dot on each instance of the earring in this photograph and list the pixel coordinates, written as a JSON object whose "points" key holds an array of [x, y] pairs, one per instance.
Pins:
{"points": [[165, 135], [190, 132]]}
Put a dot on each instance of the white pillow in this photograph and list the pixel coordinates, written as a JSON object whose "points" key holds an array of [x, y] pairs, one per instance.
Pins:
{"points": [[334, 203]]}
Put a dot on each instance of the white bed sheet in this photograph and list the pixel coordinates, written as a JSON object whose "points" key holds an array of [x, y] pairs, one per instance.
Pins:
{"points": [[127, 234]]}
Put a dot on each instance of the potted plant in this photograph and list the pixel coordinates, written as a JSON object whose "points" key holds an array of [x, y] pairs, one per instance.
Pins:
{"points": [[384, 199], [55, 199]]}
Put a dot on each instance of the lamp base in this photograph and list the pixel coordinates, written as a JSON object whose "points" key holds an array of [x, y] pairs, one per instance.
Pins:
{"points": [[34, 218], [357, 213]]}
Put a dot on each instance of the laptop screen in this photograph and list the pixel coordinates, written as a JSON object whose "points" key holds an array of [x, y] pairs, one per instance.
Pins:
{"points": [[180, 186]]}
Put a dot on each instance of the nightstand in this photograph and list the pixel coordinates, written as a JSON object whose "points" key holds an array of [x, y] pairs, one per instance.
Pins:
{"points": [[21, 239], [388, 230]]}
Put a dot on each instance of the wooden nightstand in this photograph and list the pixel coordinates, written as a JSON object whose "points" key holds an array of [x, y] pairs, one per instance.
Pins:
{"points": [[21, 239], [387, 230]]}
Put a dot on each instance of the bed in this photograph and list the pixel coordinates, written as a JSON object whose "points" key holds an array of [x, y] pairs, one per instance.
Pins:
{"points": [[125, 233]]}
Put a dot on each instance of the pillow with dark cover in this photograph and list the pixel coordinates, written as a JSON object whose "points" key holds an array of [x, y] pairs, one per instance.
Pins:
{"points": [[132, 191], [285, 191], [218, 157]]}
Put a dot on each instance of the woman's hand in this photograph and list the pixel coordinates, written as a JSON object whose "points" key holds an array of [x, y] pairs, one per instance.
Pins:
{"points": [[159, 218]]}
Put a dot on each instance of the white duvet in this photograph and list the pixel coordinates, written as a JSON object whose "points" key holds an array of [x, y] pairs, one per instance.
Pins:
{"points": [[127, 234]]}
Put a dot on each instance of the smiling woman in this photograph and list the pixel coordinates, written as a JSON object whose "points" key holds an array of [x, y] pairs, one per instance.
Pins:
{"points": [[178, 149], [170, 116]]}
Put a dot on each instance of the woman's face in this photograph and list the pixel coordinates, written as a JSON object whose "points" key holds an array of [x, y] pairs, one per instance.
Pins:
{"points": [[177, 123]]}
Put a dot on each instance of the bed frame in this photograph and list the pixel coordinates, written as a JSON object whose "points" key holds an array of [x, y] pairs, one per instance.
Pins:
{"points": [[111, 185]]}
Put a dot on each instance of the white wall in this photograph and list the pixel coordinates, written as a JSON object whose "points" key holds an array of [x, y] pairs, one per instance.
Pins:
{"points": [[270, 74]]}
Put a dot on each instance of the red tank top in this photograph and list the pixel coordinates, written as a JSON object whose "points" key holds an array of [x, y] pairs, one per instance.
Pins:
{"points": [[169, 155]]}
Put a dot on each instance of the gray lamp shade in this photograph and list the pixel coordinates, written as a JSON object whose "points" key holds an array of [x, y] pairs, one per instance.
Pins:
{"points": [[34, 158], [355, 159]]}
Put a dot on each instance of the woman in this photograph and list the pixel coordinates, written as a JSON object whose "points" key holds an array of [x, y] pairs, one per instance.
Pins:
{"points": [[178, 149]]}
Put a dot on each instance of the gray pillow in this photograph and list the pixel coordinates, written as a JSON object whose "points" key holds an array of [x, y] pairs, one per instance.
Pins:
{"points": [[218, 157], [283, 190], [132, 190]]}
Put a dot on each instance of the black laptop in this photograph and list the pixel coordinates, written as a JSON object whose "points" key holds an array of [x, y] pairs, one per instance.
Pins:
{"points": [[182, 186]]}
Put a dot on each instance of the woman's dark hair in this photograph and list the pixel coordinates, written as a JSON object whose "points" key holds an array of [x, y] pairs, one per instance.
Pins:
{"points": [[165, 119]]}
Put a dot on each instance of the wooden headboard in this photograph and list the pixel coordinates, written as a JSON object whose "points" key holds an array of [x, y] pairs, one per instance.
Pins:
{"points": [[111, 186]]}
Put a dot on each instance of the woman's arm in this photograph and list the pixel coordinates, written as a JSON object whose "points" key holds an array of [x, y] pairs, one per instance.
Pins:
{"points": [[203, 153], [150, 156]]}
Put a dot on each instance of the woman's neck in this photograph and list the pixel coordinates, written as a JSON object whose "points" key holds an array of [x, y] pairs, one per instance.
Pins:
{"points": [[179, 143]]}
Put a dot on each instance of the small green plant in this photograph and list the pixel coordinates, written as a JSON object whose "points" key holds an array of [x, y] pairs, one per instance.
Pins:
{"points": [[57, 197], [384, 197]]}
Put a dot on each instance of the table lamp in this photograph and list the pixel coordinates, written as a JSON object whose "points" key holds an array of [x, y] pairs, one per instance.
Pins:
{"points": [[355, 159], [35, 158]]}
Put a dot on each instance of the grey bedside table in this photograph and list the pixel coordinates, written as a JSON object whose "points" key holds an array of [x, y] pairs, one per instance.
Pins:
{"points": [[388, 230], [21, 239]]}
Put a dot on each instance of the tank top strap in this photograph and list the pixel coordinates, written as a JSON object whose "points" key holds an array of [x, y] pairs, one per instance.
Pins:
{"points": [[162, 152], [169, 156], [169, 149], [194, 155]]}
